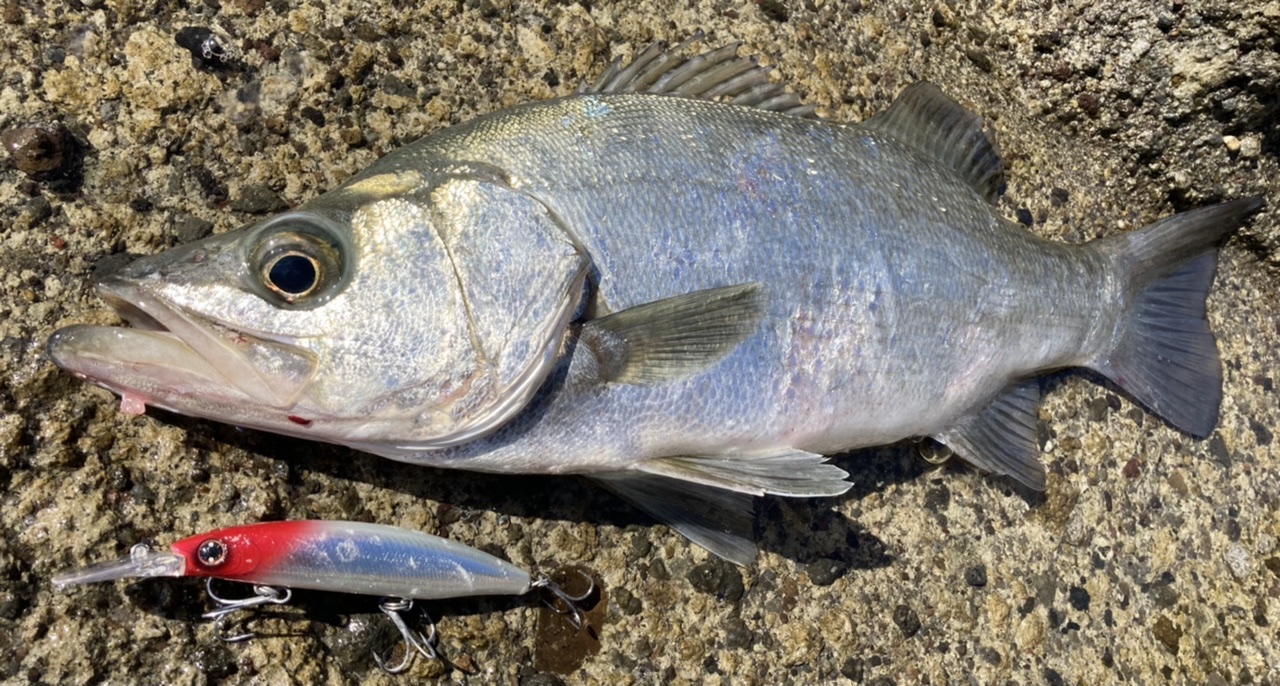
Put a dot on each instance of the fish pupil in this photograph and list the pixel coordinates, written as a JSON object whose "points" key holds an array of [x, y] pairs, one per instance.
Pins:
{"points": [[293, 274]]}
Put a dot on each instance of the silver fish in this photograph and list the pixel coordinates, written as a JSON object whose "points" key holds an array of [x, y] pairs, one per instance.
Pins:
{"points": [[691, 300]]}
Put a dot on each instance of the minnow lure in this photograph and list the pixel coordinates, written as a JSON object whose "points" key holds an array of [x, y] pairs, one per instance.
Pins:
{"points": [[346, 557]]}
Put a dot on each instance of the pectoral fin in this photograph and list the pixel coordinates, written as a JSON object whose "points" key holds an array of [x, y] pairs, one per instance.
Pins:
{"points": [[672, 339], [1002, 437], [716, 519]]}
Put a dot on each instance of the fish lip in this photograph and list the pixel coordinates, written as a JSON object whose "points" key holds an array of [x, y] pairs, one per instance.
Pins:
{"points": [[185, 333]]}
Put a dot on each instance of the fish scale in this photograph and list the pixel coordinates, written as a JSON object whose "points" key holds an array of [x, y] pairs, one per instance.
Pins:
{"points": [[691, 301]]}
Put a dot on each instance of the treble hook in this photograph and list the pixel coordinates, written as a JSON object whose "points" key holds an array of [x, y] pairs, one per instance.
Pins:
{"points": [[262, 595], [414, 640], [570, 602]]}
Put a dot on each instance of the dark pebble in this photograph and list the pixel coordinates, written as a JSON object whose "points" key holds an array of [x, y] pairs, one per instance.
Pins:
{"points": [[976, 576], [1218, 448], [1132, 468], [207, 52], [13, 12], [1167, 633], [881, 681], [627, 602], [737, 635], [719, 578], [258, 199], [657, 571], [533, 678], [1098, 409], [1024, 216], [1273, 564], [774, 10], [1059, 197], [639, 549], [1089, 103], [213, 661], [12, 605], [991, 656], [37, 210], [1079, 598], [1052, 677], [853, 669], [907, 620], [41, 151], [312, 115], [979, 59], [1165, 24], [826, 571], [1260, 432], [188, 228]]}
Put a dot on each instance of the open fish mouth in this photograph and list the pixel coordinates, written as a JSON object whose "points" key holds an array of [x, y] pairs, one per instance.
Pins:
{"points": [[178, 360]]}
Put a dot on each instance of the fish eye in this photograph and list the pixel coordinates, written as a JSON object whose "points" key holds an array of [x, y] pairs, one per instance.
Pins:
{"points": [[292, 274], [212, 552], [295, 267]]}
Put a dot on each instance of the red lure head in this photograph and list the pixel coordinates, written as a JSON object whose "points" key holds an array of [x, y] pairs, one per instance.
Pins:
{"points": [[237, 552]]}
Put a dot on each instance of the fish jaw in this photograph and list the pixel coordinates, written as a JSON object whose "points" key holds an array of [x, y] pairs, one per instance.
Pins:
{"points": [[174, 359]]}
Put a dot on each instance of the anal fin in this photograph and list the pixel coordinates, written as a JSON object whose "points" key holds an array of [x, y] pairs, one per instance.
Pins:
{"points": [[1002, 437], [718, 520]]}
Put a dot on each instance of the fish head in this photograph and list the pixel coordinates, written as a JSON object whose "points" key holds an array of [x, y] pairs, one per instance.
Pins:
{"points": [[396, 313]]}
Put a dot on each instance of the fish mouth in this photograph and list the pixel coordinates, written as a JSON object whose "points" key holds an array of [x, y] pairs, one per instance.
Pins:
{"points": [[176, 359]]}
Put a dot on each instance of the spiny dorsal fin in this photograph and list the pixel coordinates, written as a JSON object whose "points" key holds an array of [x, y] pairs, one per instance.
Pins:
{"points": [[1002, 437], [713, 74], [926, 119], [672, 339]]}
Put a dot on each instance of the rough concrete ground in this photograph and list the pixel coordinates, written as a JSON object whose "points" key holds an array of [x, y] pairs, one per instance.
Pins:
{"points": [[1152, 559]]}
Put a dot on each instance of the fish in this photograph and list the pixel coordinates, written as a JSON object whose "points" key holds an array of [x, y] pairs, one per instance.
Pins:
{"points": [[337, 556], [678, 281]]}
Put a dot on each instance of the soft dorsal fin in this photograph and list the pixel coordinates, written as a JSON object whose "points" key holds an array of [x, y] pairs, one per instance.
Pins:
{"points": [[713, 74], [926, 119]]}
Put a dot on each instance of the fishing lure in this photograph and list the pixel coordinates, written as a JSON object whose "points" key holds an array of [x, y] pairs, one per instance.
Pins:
{"points": [[347, 557]]}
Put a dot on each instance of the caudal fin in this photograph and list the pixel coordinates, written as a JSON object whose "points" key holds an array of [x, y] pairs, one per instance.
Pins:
{"points": [[1165, 356]]}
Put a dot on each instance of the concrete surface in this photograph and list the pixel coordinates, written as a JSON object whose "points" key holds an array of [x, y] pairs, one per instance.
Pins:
{"points": [[1152, 559]]}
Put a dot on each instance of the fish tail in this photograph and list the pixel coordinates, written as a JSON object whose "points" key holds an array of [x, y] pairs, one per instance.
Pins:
{"points": [[1164, 353]]}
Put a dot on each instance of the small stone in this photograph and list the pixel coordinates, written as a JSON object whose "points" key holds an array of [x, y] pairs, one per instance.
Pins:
{"points": [[1218, 448], [1167, 633], [907, 620], [1164, 23], [188, 228], [627, 602], [976, 576], [1232, 143], [207, 50], [737, 635], [979, 59], [1239, 561], [258, 199], [774, 10], [1052, 677], [1250, 147], [853, 669], [826, 571], [1089, 103], [1079, 598], [1059, 197], [1179, 484], [1260, 432], [718, 578], [1273, 565], [12, 12], [1132, 468], [1098, 409], [41, 151], [1024, 216]]}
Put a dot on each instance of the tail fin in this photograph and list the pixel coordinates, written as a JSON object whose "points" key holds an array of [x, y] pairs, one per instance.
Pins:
{"points": [[1165, 355]]}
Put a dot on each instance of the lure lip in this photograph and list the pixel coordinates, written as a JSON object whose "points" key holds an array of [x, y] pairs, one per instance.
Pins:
{"points": [[142, 563]]}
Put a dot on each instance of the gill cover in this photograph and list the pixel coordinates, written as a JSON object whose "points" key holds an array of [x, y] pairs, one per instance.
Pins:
{"points": [[516, 280]]}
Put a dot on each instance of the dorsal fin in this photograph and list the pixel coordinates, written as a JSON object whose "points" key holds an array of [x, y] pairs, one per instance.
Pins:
{"points": [[926, 119], [717, 73]]}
